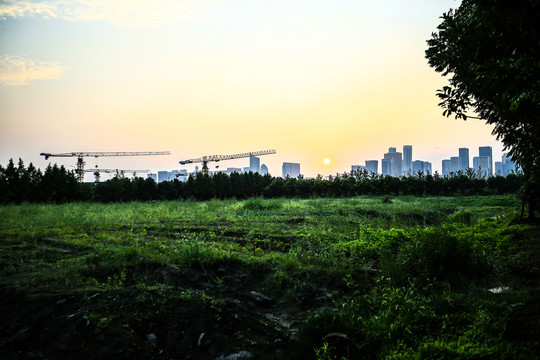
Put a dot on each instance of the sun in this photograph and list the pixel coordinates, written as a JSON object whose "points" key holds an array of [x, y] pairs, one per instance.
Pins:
{"points": [[326, 161]]}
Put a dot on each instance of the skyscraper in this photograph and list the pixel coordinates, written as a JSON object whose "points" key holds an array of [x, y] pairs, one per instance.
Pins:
{"points": [[372, 166], [487, 151], [395, 162], [446, 167], [454, 164], [508, 165], [427, 168], [264, 169], [463, 159], [407, 160], [417, 167], [484, 162], [499, 170], [385, 167], [290, 169], [254, 164]]}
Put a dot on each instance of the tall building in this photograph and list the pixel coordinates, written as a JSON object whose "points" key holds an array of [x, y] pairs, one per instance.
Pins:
{"points": [[396, 161], [290, 170], [163, 176], [264, 169], [509, 166], [407, 160], [254, 164], [372, 166], [481, 165], [446, 165], [454, 164], [499, 170], [417, 167], [385, 167], [427, 168], [488, 152], [463, 159], [152, 176]]}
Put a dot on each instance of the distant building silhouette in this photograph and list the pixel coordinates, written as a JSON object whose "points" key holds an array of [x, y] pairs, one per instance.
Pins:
{"points": [[264, 169], [481, 165], [372, 166], [407, 160], [427, 168], [454, 164], [385, 167], [395, 162], [290, 169], [446, 166], [417, 167], [487, 152], [509, 166], [499, 170], [254, 164], [152, 176], [463, 159], [163, 176]]}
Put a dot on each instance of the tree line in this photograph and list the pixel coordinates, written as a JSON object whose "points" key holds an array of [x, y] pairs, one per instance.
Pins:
{"points": [[19, 183]]}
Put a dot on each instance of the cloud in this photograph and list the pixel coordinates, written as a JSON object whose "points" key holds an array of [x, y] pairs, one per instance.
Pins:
{"points": [[123, 13], [16, 71]]}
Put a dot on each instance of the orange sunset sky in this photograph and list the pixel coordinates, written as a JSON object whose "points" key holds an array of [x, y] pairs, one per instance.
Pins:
{"points": [[312, 79]]}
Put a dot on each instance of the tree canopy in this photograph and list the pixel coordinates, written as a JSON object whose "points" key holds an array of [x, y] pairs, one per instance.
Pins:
{"points": [[490, 50]]}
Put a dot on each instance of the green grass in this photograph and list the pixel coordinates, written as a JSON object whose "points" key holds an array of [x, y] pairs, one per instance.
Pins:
{"points": [[400, 277]]}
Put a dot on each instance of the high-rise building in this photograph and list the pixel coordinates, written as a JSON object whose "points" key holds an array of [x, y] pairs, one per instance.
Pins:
{"points": [[463, 159], [290, 170], [427, 168], [264, 169], [484, 163], [152, 176], [488, 152], [454, 164], [481, 165], [446, 166], [417, 167], [508, 165], [395, 158], [407, 160], [163, 176], [499, 170], [254, 164], [385, 167], [372, 166]]}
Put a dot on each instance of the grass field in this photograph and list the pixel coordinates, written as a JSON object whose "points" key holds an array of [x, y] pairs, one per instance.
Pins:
{"points": [[357, 278]]}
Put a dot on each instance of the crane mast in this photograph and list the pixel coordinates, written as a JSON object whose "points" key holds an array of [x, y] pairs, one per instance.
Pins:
{"points": [[208, 158], [81, 155]]}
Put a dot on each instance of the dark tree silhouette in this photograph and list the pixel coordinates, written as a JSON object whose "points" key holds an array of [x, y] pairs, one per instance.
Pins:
{"points": [[490, 49]]}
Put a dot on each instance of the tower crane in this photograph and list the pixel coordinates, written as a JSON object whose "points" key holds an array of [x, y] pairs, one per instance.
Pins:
{"points": [[80, 155], [206, 159], [119, 173]]}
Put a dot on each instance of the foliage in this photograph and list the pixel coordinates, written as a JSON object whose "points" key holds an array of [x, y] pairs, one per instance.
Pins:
{"points": [[491, 51], [20, 183], [353, 278]]}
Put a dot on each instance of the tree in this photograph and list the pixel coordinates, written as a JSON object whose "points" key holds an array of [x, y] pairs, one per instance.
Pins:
{"points": [[490, 49]]}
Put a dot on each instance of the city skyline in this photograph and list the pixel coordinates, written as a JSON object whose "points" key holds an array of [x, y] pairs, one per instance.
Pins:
{"points": [[339, 80]]}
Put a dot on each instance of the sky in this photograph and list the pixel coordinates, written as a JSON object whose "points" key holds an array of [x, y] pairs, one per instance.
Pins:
{"points": [[342, 80]]}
